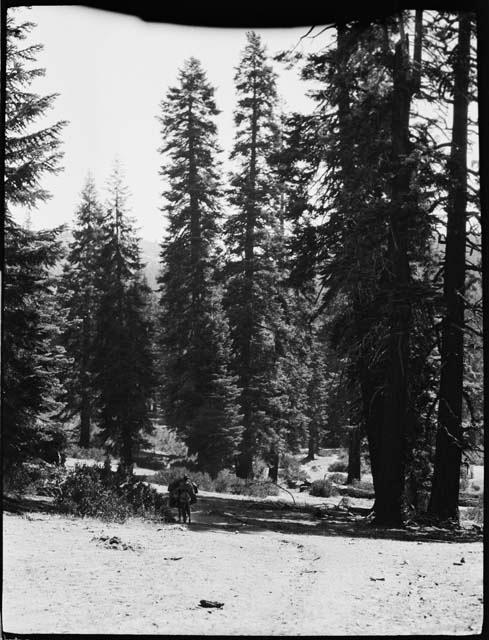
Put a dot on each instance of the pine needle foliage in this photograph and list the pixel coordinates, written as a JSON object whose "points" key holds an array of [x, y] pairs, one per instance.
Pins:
{"points": [[199, 392]]}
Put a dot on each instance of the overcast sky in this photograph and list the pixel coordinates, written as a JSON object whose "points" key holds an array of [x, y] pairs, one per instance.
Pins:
{"points": [[111, 71]]}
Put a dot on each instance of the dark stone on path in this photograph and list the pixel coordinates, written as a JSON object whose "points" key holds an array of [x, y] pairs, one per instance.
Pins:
{"points": [[211, 604]]}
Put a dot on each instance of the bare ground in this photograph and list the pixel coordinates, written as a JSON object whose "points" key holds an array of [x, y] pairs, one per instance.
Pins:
{"points": [[277, 571]]}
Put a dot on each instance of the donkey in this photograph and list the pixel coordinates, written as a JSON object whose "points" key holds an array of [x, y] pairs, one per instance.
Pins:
{"points": [[183, 504]]}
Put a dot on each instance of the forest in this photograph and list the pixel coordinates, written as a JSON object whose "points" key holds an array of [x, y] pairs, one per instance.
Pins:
{"points": [[320, 287]]}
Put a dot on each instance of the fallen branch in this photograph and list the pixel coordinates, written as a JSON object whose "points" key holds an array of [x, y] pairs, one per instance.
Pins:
{"points": [[286, 490]]}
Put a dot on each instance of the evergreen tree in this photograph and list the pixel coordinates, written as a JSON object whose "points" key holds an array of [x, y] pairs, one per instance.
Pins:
{"points": [[362, 216], [80, 300], [123, 366], [31, 360], [199, 392], [253, 295], [449, 443]]}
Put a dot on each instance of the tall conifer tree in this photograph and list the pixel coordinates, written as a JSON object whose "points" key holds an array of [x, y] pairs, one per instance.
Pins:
{"points": [[80, 292], [123, 366], [30, 363], [253, 295], [199, 392], [449, 442]]}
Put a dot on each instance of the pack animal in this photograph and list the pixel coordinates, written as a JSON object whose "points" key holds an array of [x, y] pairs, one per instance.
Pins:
{"points": [[182, 495], [183, 504]]}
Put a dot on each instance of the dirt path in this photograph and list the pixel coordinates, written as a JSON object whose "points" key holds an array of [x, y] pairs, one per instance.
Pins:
{"points": [[272, 579]]}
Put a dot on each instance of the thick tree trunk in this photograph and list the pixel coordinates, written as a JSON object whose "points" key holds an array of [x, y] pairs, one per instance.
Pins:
{"points": [[354, 461], [312, 442], [274, 464], [391, 451], [245, 467], [483, 93], [446, 479]]}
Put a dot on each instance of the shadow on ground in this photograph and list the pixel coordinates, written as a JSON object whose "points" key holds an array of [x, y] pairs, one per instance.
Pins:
{"points": [[241, 516], [226, 514]]}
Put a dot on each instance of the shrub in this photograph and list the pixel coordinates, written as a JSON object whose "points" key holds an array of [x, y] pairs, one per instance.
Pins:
{"points": [[322, 488], [19, 480], [49, 481], [253, 488], [201, 479], [165, 440], [337, 478], [166, 476], [476, 514], [365, 465], [39, 478], [260, 469], [98, 492], [292, 471], [224, 481], [339, 465], [90, 453]]}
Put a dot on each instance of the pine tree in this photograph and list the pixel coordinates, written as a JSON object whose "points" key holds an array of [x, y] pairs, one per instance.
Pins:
{"points": [[28, 154], [199, 392], [31, 360], [123, 367], [362, 217], [449, 443], [80, 299], [253, 299]]}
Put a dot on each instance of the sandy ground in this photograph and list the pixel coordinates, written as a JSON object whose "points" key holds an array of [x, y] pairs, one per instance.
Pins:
{"points": [[272, 581]]}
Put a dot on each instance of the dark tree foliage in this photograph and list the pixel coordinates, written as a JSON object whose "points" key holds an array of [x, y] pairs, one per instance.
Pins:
{"points": [[123, 366], [253, 293], [362, 219], [80, 298], [31, 359], [199, 392], [29, 152]]}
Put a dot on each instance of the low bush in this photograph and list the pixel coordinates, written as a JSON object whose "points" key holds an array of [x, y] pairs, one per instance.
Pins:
{"points": [[260, 469], [89, 453], [49, 481], [322, 488], [337, 478], [291, 470], [39, 478], [365, 465], [225, 482], [99, 492], [339, 465], [166, 476], [19, 479], [476, 513], [201, 479], [253, 488]]}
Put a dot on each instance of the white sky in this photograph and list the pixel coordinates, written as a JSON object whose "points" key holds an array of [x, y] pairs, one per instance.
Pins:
{"points": [[111, 71]]}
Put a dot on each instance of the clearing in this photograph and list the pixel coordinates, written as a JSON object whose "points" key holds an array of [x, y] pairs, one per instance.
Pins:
{"points": [[278, 571]]}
